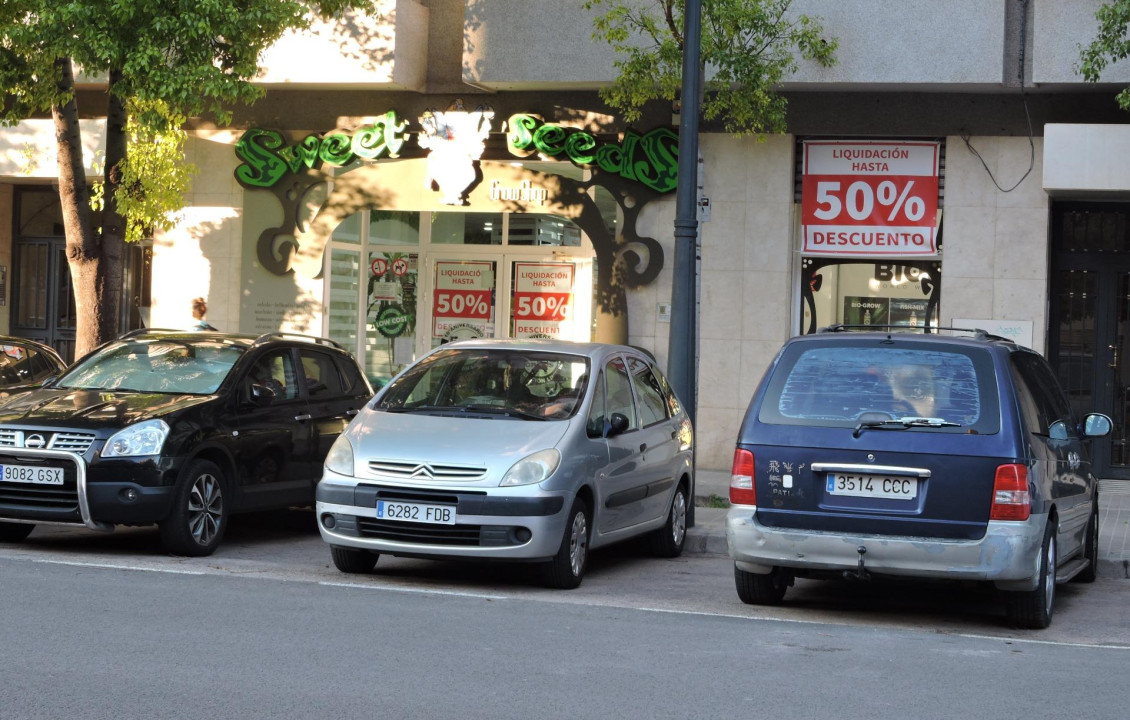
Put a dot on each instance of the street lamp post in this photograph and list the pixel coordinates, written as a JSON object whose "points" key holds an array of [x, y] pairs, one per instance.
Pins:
{"points": [[682, 343]]}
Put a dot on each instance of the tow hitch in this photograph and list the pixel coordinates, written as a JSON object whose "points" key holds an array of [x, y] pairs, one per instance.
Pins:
{"points": [[860, 573]]}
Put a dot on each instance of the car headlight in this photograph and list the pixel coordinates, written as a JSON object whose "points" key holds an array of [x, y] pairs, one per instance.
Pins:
{"points": [[144, 438], [532, 468], [340, 457]]}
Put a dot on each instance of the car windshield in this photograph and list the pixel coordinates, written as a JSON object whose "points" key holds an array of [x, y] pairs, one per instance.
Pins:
{"points": [[158, 365], [507, 383], [931, 388]]}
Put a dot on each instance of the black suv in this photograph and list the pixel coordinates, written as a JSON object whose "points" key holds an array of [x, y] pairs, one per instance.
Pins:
{"points": [[176, 428], [892, 453]]}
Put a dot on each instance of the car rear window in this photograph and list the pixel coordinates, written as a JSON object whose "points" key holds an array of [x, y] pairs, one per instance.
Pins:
{"points": [[834, 385]]}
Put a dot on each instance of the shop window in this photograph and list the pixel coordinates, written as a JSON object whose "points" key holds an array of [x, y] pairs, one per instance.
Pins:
{"points": [[882, 293], [542, 230], [467, 228], [388, 227]]}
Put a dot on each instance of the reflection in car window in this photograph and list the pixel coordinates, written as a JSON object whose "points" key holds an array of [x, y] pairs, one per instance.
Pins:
{"points": [[653, 407], [20, 365], [828, 384], [547, 385], [594, 425], [156, 365], [619, 392]]}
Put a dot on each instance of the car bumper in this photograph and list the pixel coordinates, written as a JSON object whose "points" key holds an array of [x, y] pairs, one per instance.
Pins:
{"points": [[89, 497], [1008, 554], [521, 523]]}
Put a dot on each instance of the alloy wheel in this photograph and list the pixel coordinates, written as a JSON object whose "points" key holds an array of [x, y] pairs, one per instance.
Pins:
{"points": [[205, 508], [578, 543]]}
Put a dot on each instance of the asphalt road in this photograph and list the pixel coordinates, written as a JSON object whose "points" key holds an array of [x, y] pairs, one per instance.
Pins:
{"points": [[107, 626]]}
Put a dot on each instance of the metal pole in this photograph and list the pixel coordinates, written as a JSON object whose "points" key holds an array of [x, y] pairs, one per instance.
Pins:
{"points": [[681, 355], [681, 343]]}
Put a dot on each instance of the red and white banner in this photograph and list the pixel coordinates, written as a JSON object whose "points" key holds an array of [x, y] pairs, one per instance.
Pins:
{"points": [[870, 199], [543, 298], [462, 298]]}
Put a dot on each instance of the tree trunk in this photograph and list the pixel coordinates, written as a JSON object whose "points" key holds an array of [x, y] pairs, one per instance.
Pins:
{"points": [[74, 199]]}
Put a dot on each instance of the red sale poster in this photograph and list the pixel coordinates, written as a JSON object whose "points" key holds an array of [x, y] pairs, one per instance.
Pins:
{"points": [[543, 298], [870, 199]]}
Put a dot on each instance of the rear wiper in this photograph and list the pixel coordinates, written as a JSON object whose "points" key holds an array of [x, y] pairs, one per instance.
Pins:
{"points": [[881, 421]]}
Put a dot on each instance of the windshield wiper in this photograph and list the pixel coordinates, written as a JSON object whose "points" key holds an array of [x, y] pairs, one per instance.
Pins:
{"points": [[882, 421], [416, 408], [495, 410]]}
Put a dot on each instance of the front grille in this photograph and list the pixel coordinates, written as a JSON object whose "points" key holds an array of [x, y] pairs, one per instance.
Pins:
{"points": [[33, 497], [419, 533], [426, 471], [69, 441]]}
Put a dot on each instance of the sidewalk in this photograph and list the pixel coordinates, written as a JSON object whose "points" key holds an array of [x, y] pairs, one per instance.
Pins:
{"points": [[709, 533]]}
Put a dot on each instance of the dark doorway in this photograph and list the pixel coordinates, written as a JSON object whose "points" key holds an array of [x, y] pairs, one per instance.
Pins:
{"points": [[43, 306], [1089, 319]]}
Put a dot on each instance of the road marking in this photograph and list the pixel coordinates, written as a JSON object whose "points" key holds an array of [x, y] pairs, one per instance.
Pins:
{"points": [[116, 566], [423, 591]]}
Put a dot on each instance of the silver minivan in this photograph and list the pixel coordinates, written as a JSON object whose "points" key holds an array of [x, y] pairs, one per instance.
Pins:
{"points": [[511, 450]]}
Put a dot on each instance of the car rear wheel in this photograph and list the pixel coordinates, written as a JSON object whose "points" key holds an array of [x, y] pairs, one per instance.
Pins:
{"points": [[14, 532], [668, 540], [199, 516], [1032, 609], [567, 568], [1091, 548], [756, 589]]}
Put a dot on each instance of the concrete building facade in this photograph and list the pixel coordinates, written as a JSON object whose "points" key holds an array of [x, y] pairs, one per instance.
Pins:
{"points": [[437, 154]]}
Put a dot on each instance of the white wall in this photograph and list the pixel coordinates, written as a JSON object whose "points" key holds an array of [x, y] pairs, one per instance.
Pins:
{"points": [[995, 262]]}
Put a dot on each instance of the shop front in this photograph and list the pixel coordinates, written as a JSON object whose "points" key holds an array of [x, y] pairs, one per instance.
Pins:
{"points": [[397, 237]]}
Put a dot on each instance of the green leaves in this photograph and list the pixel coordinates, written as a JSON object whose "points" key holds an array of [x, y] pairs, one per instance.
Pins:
{"points": [[1110, 45], [747, 48]]}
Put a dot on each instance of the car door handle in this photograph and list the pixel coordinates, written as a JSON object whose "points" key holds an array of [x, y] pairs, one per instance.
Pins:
{"points": [[674, 434], [351, 412], [643, 446], [303, 418]]}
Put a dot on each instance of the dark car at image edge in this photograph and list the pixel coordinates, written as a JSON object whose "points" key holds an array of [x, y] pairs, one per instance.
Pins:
{"points": [[180, 429]]}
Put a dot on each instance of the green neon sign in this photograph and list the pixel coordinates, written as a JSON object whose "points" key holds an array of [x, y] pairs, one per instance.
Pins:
{"points": [[651, 159], [267, 159]]}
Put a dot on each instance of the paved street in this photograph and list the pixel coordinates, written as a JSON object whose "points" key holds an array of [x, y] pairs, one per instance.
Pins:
{"points": [[107, 626]]}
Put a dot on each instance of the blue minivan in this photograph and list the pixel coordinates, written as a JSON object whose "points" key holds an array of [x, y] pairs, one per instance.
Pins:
{"points": [[911, 454]]}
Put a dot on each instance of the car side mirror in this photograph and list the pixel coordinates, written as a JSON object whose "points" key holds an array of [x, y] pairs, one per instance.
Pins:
{"points": [[262, 395], [617, 423], [1096, 425]]}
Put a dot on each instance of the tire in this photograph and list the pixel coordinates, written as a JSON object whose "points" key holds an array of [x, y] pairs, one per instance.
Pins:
{"points": [[199, 516], [1033, 609], [352, 560], [668, 541], [567, 568], [1091, 549], [14, 532], [756, 589]]}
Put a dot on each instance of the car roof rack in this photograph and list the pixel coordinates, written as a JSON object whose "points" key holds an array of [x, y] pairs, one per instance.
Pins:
{"points": [[297, 336], [979, 333]]}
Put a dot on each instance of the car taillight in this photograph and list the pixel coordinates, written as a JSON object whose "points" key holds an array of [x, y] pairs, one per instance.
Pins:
{"points": [[741, 479], [1011, 500]]}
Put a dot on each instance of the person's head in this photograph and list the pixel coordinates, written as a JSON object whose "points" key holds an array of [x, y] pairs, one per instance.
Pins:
{"points": [[199, 308]]}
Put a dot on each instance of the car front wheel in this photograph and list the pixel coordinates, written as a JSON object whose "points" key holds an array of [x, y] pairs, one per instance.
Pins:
{"points": [[199, 516], [567, 568], [352, 560], [14, 532], [1091, 549], [1032, 609]]}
